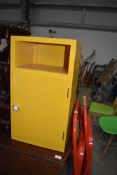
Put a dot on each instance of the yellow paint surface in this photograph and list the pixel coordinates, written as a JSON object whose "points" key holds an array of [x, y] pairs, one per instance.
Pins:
{"points": [[43, 89]]}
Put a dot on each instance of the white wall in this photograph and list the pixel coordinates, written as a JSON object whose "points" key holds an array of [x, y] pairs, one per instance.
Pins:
{"points": [[10, 14], [105, 43], [73, 15]]}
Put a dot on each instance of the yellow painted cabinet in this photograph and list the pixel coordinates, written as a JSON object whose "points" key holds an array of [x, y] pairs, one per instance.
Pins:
{"points": [[43, 88]]}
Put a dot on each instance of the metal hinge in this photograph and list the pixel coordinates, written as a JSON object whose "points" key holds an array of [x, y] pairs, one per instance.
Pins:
{"points": [[63, 136], [68, 93]]}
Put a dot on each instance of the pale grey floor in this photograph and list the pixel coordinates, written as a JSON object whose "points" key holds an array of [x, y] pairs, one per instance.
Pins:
{"points": [[108, 164], [100, 166]]}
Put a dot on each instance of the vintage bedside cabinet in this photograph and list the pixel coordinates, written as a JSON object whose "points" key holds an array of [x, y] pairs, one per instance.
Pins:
{"points": [[44, 74]]}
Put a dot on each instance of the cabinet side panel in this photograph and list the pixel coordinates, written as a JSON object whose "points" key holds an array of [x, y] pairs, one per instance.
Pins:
{"points": [[74, 85]]}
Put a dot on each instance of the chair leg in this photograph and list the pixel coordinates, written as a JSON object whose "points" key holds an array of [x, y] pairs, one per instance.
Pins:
{"points": [[108, 144]]}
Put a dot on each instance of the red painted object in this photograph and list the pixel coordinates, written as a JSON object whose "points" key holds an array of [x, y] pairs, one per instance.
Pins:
{"points": [[82, 140], [78, 141], [88, 134]]}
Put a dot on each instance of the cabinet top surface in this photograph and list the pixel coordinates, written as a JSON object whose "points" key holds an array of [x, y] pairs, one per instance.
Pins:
{"points": [[33, 39]]}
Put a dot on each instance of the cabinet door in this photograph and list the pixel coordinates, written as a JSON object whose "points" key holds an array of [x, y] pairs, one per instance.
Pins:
{"points": [[43, 108]]}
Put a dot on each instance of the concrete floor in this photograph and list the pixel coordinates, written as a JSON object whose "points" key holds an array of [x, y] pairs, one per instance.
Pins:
{"points": [[100, 166]]}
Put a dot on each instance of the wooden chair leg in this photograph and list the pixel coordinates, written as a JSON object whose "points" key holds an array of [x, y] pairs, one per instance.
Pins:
{"points": [[108, 145]]}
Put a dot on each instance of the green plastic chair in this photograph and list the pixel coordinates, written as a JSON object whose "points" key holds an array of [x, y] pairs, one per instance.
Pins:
{"points": [[100, 109], [108, 124]]}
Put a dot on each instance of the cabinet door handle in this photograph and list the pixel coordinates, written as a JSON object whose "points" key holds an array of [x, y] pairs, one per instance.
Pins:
{"points": [[15, 108]]}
